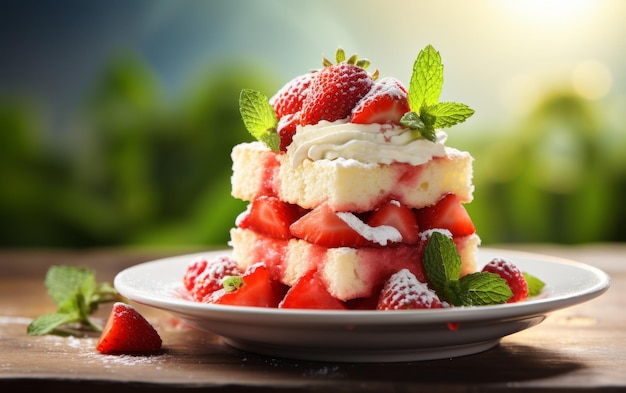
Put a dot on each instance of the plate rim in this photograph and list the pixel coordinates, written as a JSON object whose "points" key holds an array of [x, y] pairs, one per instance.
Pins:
{"points": [[531, 307]]}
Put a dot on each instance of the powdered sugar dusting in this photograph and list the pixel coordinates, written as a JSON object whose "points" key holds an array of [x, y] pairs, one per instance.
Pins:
{"points": [[425, 235], [403, 290], [381, 234], [85, 349]]}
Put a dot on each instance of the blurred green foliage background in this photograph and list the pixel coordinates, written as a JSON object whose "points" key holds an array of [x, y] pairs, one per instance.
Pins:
{"points": [[135, 166]]}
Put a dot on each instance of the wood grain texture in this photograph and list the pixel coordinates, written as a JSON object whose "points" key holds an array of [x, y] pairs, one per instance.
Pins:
{"points": [[581, 347]]}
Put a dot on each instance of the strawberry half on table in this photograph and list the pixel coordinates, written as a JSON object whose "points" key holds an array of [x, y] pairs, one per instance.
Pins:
{"points": [[128, 332]]}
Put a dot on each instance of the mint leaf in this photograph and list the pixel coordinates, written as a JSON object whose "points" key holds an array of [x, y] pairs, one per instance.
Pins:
{"points": [[259, 118], [480, 289], [232, 283], [535, 285], [427, 114], [427, 79], [46, 323], [77, 296], [413, 121], [442, 265], [447, 114], [442, 261], [63, 282]]}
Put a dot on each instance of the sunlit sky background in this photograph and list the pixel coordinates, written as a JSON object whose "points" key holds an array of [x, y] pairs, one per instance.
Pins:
{"points": [[499, 55]]}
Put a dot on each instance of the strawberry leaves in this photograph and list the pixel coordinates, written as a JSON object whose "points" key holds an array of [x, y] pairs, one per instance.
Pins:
{"points": [[427, 113]]}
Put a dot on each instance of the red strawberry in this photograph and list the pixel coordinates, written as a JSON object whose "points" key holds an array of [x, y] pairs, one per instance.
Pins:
{"points": [[322, 226], [386, 102], [400, 217], [309, 292], [287, 129], [209, 279], [448, 213], [194, 269], [257, 290], [403, 291], [513, 276], [128, 332], [270, 216], [334, 92], [289, 98]]}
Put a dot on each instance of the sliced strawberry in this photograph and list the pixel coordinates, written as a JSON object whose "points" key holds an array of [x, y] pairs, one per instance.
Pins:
{"points": [[128, 332], [257, 290], [309, 292], [364, 303], [403, 291], [334, 92], [287, 129], [210, 278], [289, 98], [400, 217], [270, 216], [512, 275], [386, 102], [194, 269], [322, 226], [448, 213]]}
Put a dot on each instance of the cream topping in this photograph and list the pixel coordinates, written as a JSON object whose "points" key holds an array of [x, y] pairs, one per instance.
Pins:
{"points": [[367, 143], [380, 234]]}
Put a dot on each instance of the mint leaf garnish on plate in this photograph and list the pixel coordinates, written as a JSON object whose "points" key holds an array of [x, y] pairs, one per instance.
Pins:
{"points": [[427, 113], [482, 288], [442, 264], [259, 117], [535, 285], [76, 294], [441, 261]]}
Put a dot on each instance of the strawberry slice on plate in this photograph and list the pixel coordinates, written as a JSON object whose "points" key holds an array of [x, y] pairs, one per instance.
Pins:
{"points": [[309, 292], [254, 288], [403, 291], [386, 102], [128, 332], [205, 276], [448, 213], [322, 226], [270, 216], [400, 217]]}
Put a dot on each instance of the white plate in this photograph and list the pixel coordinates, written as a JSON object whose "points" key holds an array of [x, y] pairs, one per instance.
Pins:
{"points": [[366, 336]]}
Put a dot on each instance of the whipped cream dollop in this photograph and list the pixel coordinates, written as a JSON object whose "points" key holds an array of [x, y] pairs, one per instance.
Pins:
{"points": [[367, 143]]}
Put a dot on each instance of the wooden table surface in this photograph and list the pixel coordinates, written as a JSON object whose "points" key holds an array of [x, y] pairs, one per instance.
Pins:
{"points": [[582, 347]]}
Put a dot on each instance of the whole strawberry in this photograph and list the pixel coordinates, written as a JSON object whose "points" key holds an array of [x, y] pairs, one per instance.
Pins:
{"points": [[288, 100], [512, 275], [128, 332], [403, 291], [335, 90], [208, 275]]}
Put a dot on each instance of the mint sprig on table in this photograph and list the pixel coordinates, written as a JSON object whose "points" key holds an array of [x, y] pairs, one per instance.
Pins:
{"points": [[76, 294], [259, 117], [442, 264], [427, 113]]}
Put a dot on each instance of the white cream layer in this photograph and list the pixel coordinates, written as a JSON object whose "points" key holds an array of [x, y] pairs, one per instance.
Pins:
{"points": [[367, 143]]}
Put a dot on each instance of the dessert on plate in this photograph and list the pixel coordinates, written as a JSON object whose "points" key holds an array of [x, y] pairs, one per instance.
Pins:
{"points": [[347, 184]]}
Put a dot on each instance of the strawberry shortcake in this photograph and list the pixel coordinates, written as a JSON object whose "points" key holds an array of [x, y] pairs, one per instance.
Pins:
{"points": [[348, 180]]}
